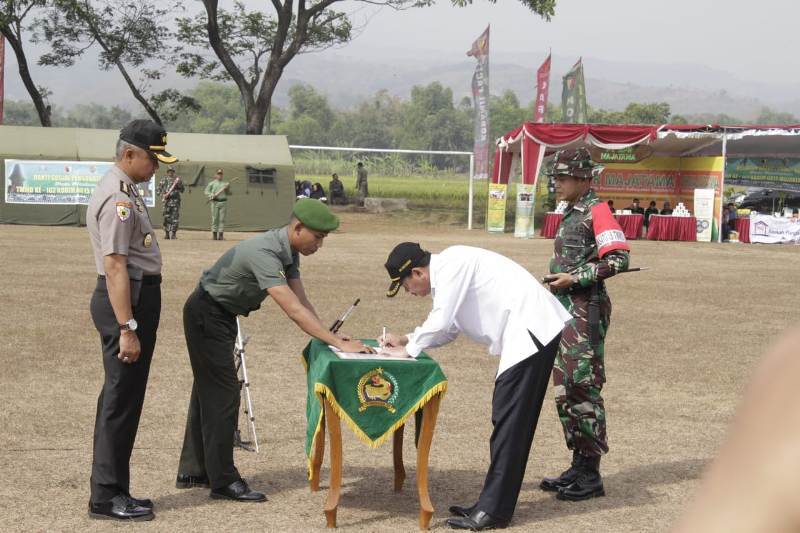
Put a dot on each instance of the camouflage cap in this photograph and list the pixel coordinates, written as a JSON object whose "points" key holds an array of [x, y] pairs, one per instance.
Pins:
{"points": [[576, 162]]}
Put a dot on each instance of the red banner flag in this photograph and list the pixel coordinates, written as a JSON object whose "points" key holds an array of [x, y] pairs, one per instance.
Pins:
{"points": [[542, 88], [2, 69]]}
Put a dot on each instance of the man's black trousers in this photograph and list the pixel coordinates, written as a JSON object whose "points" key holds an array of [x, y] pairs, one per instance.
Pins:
{"points": [[214, 404], [516, 404], [122, 396]]}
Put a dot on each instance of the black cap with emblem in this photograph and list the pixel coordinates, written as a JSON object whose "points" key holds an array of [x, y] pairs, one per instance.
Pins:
{"points": [[404, 257], [148, 136]]}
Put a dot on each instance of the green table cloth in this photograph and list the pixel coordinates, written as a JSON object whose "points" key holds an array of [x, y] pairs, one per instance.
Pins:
{"points": [[373, 396]]}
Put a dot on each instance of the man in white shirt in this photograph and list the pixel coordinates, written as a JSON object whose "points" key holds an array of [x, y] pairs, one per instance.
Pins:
{"points": [[496, 302]]}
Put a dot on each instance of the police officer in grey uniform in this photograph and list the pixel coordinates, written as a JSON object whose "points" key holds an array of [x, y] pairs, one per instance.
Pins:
{"points": [[125, 308], [265, 265]]}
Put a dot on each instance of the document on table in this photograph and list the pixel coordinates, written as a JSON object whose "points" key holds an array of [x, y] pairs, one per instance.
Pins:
{"points": [[368, 356]]}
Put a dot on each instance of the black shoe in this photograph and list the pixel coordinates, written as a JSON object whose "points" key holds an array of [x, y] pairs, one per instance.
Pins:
{"points": [[174, 235], [589, 483], [166, 235], [477, 521], [239, 491], [221, 236], [142, 502], [458, 510], [566, 478], [120, 507], [215, 236], [185, 481]]}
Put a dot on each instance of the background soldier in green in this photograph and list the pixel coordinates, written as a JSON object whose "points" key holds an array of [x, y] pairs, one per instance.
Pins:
{"points": [[362, 189], [217, 193], [170, 188], [589, 247]]}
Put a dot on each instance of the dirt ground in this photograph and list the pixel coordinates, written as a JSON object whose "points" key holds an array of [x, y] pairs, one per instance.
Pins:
{"points": [[684, 338]]}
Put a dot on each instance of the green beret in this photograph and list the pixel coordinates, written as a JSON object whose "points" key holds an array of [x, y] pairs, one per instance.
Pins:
{"points": [[315, 215]]}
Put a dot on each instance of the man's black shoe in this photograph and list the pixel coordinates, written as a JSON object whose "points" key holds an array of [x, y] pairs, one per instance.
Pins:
{"points": [[588, 485], [142, 502], [477, 521], [185, 481], [567, 477], [121, 508], [459, 510], [239, 491]]}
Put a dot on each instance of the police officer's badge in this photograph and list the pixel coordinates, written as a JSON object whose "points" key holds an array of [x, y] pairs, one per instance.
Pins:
{"points": [[124, 210], [148, 240], [377, 388]]}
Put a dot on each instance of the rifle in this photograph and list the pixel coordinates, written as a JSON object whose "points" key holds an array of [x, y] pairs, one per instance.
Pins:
{"points": [[225, 188], [172, 188]]}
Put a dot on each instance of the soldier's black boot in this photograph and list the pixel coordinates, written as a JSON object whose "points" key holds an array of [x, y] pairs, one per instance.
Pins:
{"points": [[215, 236], [166, 235], [174, 235], [589, 483], [221, 237], [567, 477]]}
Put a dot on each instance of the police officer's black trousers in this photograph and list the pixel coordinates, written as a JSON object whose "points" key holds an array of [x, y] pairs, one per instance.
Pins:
{"points": [[214, 404], [120, 403], [516, 403]]}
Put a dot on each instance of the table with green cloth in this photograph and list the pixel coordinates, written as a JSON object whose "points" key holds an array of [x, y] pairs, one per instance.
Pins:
{"points": [[375, 398]]}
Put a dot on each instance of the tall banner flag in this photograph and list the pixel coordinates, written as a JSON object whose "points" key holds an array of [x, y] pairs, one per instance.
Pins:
{"points": [[480, 97], [542, 88], [573, 97], [2, 69]]}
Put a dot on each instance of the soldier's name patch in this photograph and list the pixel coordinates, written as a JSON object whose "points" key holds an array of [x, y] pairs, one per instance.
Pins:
{"points": [[124, 210]]}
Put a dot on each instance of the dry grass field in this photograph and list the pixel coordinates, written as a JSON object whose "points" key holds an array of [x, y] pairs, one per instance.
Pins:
{"points": [[684, 338]]}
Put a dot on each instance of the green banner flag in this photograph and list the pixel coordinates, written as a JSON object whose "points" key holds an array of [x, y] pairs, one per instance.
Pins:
{"points": [[573, 96], [373, 397]]}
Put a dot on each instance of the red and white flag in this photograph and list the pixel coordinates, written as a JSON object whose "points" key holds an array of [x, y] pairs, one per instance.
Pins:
{"points": [[542, 88]]}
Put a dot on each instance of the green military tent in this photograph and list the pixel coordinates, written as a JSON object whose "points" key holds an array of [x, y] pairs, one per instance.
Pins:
{"points": [[259, 168]]}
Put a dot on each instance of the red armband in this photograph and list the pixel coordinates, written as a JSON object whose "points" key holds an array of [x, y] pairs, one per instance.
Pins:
{"points": [[607, 232]]}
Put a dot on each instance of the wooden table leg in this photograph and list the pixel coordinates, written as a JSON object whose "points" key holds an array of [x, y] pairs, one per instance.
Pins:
{"points": [[429, 413], [319, 453], [335, 434], [397, 451]]}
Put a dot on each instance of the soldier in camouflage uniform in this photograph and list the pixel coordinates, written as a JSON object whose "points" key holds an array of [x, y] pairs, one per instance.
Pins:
{"points": [[589, 247], [171, 196]]}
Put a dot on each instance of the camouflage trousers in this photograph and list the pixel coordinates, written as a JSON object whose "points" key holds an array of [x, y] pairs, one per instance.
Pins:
{"points": [[578, 376], [172, 216]]}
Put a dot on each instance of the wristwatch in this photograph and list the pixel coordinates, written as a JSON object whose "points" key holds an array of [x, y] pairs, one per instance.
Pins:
{"points": [[130, 325]]}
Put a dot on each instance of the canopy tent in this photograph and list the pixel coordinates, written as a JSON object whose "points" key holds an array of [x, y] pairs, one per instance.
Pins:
{"points": [[531, 142], [262, 194]]}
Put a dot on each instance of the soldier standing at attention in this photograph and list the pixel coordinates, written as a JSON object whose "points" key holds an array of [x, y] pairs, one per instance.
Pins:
{"points": [[170, 188], [125, 308], [589, 247], [217, 193], [265, 265], [362, 190]]}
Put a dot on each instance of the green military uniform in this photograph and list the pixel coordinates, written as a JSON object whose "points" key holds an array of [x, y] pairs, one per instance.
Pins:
{"points": [[237, 284], [170, 193], [362, 188], [579, 371], [217, 193]]}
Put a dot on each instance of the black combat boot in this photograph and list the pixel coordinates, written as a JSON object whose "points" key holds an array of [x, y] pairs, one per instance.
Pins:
{"points": [[567, 477], [221, 237], [215, 236], [589, 483], [174, 235], [166, 235]]}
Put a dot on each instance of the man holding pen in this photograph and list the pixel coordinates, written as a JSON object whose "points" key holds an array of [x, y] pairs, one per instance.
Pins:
{"points": [[494, 301], [265, 265]]}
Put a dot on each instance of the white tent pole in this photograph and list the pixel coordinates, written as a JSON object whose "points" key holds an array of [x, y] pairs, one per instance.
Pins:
{"points": [[471, 189], [722, 182]]}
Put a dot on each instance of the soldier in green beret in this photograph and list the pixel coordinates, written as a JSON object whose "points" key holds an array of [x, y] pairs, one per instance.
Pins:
{"points": [[265, 265]]}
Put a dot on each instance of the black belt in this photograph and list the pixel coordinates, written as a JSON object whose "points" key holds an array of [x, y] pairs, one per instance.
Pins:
{"points": [[154, 279], [218, 200]]}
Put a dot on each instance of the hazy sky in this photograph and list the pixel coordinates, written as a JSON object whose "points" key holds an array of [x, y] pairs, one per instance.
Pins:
{"points": [[752, 39]]}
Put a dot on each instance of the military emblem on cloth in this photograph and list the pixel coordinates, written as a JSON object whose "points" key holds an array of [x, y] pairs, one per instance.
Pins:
{"points": [[124, 210], [377, 388]]}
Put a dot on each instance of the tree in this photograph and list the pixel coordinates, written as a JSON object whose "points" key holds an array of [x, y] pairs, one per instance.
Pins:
{"points": [[12, 16], [253, 48], [19, 113], [221, 111], [768, 116], [129, 35], [506, 114], [310, 117]]}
